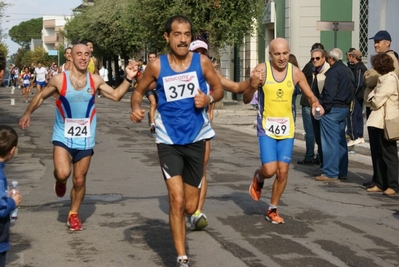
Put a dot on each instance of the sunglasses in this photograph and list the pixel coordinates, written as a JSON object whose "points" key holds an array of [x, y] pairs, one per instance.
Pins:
{"points": [[315, 58]]}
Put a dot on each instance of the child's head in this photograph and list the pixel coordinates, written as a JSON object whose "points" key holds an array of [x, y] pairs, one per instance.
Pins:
{"points": [[8, 142]]}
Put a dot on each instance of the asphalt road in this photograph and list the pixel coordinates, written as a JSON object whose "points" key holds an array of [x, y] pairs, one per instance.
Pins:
{"points": [[125, 212]]}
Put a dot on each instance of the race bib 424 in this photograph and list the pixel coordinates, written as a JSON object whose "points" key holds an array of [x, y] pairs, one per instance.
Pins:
{"points": [[77, 128]]}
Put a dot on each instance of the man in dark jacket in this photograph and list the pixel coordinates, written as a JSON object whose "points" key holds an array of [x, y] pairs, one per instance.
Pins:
{"points": [[306, 116], [355, 123], [336, 97]]}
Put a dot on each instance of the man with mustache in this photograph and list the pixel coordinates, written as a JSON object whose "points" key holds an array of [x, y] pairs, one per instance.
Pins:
{"points": [[182, 124]]}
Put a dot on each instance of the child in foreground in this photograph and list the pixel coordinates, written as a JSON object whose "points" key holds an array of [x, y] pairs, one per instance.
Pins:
{"points": [[8, 146]]}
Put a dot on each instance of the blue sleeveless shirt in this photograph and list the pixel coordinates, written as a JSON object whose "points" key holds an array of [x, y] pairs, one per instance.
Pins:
{"points": [[75, 115], [178, 121]]}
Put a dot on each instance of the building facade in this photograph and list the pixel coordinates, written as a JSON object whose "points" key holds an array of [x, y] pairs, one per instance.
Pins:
{"points": [[51, 32], [305, 22]]}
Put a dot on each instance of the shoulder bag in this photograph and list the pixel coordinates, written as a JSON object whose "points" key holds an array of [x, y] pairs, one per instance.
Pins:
{"points": [[391, 128]]}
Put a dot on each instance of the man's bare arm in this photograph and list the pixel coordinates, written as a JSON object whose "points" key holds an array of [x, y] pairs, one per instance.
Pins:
{"points": [[212, 79], [117, 93], [148, 77], [253, 87], [36, 102]]}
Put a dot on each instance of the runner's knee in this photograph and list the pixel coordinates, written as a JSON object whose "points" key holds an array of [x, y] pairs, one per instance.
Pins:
{"points": [[62, 175]]}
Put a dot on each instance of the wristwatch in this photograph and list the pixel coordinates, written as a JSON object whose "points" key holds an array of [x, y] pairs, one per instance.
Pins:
{"points": [[211, 99]]}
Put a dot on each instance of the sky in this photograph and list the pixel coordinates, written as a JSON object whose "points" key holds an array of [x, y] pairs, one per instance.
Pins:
{"points": [[24, 10]]}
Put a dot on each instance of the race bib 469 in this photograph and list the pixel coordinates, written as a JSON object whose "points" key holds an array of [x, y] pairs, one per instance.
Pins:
{"points": [[278, 126]]}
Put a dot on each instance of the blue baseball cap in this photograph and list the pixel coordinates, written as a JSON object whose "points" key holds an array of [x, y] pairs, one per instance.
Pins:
{"points": [[382, 35]]}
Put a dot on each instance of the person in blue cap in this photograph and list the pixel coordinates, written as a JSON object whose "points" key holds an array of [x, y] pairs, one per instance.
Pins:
{"points": [[382, 44]]}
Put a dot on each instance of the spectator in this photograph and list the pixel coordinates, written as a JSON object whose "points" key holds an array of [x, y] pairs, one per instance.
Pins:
{"points": [[382, 44], [104, 74], [292, 59], [355, 118], [336, 96], [384, 103], [306, 117], [8, 148], [318, 58], [2, 66]]}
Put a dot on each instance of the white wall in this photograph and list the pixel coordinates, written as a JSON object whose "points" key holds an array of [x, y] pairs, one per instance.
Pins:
{"points": [[300, 22]]}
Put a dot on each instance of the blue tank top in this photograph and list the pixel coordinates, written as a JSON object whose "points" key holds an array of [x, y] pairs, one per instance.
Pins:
{"points": [[26, 79], [75, 115], [178, 121]]}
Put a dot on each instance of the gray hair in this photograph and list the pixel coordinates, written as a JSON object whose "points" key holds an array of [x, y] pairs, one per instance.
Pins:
{"points": [[336, 54], [318, 50]]}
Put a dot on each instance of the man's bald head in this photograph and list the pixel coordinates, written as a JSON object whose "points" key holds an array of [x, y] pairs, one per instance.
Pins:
{"points": [[279, 43], [80, 47], [279, 52], [80, 57]]}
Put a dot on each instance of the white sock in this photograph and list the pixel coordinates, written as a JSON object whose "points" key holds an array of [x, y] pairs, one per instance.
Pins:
{"points": [[182, 258], [272, 207]]}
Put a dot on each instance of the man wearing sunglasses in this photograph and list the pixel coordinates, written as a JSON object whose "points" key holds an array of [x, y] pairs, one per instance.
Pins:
{"points": [[310, 158], [320, 66]]}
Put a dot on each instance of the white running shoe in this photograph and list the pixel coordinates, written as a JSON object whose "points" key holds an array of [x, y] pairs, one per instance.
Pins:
{"points": [[198, 221]]}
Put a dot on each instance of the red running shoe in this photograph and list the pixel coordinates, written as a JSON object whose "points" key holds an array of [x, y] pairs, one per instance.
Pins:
{"points": [[74, 223], [255, 189], [59, 189], [273, 217]]}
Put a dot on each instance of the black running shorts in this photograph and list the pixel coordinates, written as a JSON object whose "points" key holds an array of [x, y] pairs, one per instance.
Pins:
{"points": [[75, 153], [186, 161], [150, 93]]}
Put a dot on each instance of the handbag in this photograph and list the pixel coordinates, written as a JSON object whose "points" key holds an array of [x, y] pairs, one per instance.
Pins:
{"points": [[391, 128]]}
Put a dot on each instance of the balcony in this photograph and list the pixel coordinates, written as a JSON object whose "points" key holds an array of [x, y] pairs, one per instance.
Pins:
{"points": [[50, 39], [49, 23]]}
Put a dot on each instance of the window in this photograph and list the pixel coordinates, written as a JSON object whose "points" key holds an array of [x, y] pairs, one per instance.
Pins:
{"points": [[363, 26]]}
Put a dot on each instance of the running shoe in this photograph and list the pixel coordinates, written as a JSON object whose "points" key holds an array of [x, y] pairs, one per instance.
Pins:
{"points": [[198, 221], [255, 189], [60, 189], [182, 262], [273, 217], [74, 223]]}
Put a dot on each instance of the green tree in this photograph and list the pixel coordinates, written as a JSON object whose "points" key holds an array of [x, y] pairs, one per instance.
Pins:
{"points": [[127, 26], [25, 57], [17, 57], [25, 31], [224, 22], [109, 24], [4, 49]]}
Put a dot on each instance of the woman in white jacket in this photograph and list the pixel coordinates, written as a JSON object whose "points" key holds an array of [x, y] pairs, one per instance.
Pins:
{"points": [[384, 103]]}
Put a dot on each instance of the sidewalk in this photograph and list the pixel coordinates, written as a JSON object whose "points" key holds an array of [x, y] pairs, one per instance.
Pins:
{"points": [[237, 113]]}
